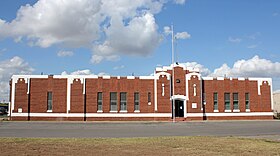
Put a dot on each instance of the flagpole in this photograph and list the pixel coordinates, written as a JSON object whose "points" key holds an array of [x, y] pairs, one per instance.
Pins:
{"points": [[173, 90]]}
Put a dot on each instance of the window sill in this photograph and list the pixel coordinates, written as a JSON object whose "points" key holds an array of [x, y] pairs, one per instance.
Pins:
{"points": [[216, 111], [137, 111], [123, 111], [113, 111], [248, 110], [49, 111], [227, 110], [236, 110], [99, 111]]}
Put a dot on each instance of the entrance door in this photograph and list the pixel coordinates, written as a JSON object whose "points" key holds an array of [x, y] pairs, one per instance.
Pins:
{"points": [[179, 108]]}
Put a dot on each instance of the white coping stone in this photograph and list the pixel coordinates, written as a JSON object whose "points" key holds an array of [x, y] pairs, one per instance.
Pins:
{"points": [[130, 77], [147, 77], [106, 77], [220, 78], [207, 78]]}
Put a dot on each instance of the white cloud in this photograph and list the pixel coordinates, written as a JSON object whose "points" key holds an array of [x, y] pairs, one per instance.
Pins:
{"points": [[118, 67], [234, 40], [180, 1], [15, 65], [203, 70], [64, 53], [182, 35], [79, 72], [83, 72], [108, 27], [254, 67], [167, 30], [138, 37]]}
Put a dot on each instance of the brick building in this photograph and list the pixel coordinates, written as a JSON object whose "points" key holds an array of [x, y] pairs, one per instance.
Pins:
{"points": [[92, 98]]}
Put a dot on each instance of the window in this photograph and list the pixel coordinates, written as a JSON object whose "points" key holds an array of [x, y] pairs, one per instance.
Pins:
{"points": [[136, 101], [194, 90], [227, 101], [247, 100], [149, 97], [99, 101], [113, 101], [235, 101], [49, 96], [215, 101], [123, 101]]}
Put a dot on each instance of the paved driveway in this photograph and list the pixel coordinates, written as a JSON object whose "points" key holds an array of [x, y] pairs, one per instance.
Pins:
{"points": [[140, 129]]}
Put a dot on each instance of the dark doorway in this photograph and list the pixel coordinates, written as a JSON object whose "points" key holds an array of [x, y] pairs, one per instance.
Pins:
{"points": [[179, 108]]}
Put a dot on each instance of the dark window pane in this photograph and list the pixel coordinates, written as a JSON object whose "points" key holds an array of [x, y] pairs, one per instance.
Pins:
{"points": [[49, 98], [149, 96], [136, 101]]}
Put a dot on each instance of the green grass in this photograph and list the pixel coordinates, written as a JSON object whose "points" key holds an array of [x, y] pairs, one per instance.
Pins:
{"points": [[140, 146]]}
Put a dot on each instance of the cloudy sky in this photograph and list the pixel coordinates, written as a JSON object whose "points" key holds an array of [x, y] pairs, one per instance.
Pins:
{"points": [[238, 38]]}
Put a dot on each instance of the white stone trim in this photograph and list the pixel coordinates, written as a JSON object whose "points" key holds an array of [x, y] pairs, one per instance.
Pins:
{"points": [[68, 96], [146, 77], [106, 77], [189, 75], [157, 75], [227, 110], [93, 115], [28, 85], [220, 78], [178, 97], [13, 95], [155, 93], [123, 111], [113, 111], [216, 111], [236, 110], [241, 78], [49, 111], [137, 111], [207, 78], [99, 111], [248, 110], [130, 77], [230, 114]]}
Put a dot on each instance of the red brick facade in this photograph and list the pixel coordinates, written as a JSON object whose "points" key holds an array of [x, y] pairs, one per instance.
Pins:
{"points": [[76, 97]]}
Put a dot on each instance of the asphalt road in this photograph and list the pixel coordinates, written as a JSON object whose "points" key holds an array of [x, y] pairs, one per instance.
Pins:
{"points": [[266, 129]]}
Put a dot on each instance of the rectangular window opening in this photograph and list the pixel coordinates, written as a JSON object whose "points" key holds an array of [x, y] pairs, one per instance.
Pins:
{"points": [[149, 97], [215, 101], [113, 101], [247, 100], [235, 101], [123, 101], [99, 101], [136, 101], [227, 101], [50, 102]]}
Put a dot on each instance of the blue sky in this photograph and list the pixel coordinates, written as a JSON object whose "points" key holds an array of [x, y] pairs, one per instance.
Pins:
{"points": [[232, 37]]}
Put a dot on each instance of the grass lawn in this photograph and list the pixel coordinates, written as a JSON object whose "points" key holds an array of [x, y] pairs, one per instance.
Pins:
{"points": [[139, 146]]}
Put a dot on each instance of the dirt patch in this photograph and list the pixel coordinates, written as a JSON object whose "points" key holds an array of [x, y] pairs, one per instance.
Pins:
{"points": [[140, 146]]}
